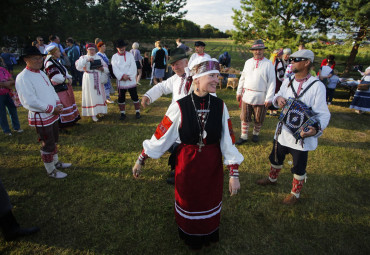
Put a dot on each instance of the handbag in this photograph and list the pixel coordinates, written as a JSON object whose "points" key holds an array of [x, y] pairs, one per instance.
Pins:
{"points": [[363, 86], [60, 87], [96, 64]]}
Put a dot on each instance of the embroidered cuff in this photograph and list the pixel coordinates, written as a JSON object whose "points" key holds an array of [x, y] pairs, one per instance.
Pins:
{"points": [[142, 157], [233, 171], [49, 109]]}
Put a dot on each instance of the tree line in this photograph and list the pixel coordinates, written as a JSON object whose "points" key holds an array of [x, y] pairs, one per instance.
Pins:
{"points": [[285, 22], [84, 20]]}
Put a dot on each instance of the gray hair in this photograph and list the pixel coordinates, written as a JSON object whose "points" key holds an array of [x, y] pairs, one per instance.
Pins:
{"points": [[287, 51], [135, 45]]}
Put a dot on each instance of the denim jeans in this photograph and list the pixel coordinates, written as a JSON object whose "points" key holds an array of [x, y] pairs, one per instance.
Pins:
{"points": [[6, 103]]}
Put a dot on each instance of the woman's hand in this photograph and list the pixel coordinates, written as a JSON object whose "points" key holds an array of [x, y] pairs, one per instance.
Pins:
{"points": [[234, 186], [136, 170]]}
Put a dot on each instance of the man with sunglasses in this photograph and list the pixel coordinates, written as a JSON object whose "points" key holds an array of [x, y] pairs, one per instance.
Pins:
{"points": [[311, 91], [255, 91]]}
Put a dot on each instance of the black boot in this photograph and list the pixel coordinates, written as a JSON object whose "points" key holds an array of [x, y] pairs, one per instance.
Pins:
{"points": [[11, 229], [123, 116]]}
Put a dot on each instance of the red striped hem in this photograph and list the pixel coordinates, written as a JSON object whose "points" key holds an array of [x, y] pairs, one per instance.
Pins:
{"points": [[198, 215], [87, 107], [43, 122]]}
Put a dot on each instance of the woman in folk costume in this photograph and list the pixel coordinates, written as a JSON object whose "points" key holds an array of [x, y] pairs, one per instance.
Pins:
{"points": [[202, 123], [93, 92], [62, 82], [107, 86], [124, 68]]}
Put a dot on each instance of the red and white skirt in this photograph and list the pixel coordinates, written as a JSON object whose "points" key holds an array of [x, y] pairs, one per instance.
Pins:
{"points": [[198, 189]]}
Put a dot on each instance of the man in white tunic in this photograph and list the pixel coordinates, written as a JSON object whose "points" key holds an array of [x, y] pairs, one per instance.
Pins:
{"points": [[199, 51], [37, 94], [255, 90], [178, 85], [125, 70], [311, 92], [175, 84]]}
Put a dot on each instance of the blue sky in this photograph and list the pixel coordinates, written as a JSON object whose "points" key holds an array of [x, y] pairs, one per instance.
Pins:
{"points": [[215, 12]]}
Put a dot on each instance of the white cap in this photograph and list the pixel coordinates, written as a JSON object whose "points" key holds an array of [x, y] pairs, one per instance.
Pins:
{"points": [[50, 47], [303, 54]]}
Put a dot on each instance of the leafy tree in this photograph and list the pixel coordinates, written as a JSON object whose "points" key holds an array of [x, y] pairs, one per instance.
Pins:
{"points": [[352, 18], [162, 9], [271, 19]]}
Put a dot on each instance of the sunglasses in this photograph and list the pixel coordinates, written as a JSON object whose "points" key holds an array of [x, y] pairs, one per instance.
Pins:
{"points": [[297, 59]]}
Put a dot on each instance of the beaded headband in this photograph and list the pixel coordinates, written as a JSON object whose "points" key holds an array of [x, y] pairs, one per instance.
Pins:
{"points": [[90, 46], [204, 67]]}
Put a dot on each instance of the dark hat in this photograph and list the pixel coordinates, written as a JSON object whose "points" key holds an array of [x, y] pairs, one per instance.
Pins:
{"points": [[199, 43], [258, 45], [176, 55], [31, 51], [121, 43]]}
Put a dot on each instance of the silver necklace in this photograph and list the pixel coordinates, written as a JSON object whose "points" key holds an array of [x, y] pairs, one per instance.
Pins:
{"points": [[202, 118]]}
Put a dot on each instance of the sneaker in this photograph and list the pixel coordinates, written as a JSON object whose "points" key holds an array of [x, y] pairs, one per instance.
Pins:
{"points": [[265, 181], [8, 134], [108, 101], [19, 130], [95, 119], [241, 141], [123, 116], [255, 138], [57, 174], [137, 115], [290, 199], [329, 103], [63, 165]]}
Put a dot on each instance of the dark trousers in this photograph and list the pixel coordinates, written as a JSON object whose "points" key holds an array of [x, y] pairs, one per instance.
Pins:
{"points": [[75, 75], [299, 158], [329, 95], [6, 103], [48, 136], [133, 95]]}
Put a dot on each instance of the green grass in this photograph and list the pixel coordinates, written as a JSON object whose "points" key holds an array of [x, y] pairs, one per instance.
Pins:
{"points": [[100, 209]]}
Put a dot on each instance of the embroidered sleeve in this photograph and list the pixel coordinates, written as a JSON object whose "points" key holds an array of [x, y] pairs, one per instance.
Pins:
{"points": [[233, 170], [166, 133], [231, 131], [163, 127], [229, 151]]}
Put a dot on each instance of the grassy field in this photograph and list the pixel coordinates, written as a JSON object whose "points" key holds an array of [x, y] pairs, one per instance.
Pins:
{"points": [[100, 209]]}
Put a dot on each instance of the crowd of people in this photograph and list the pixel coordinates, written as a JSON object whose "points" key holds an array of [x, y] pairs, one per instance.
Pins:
{"points": [[196, 128]]}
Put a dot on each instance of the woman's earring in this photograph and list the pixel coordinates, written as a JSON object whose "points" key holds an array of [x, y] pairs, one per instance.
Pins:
{"points": [[197, 89]]}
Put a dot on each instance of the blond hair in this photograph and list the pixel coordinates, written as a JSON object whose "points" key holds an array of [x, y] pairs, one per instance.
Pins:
{"points": [[158, 44]]}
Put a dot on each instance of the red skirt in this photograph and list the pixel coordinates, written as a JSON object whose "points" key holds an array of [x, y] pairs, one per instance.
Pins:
{"points": [[198, 189], [70, 112]]}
